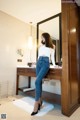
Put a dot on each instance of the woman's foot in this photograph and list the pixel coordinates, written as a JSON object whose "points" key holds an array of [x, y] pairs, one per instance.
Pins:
{"points": [[36, 106], [34, 113]]}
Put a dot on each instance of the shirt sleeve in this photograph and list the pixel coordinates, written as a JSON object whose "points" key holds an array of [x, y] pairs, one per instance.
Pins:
{"points": [[53, 56]]}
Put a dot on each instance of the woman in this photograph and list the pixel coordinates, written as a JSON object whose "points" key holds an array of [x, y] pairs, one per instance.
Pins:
{"points": [[46, 53]]}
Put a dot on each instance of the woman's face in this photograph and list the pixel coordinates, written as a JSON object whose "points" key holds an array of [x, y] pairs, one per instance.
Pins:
{"points": [[43, 39]]}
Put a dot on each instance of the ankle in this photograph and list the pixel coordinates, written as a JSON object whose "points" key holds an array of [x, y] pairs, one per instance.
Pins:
{"points": [[40, 101], [36, 106]]}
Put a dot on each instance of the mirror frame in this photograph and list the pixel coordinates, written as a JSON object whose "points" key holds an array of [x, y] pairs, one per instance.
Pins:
{"points": [[60, 37]]}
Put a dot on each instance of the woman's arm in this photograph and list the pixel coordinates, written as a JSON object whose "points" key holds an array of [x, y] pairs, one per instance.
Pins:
{"points": [[53, 56], [54, 47]]}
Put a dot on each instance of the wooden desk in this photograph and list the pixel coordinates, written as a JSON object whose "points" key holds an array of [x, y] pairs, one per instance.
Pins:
{"points": [[54, 73]]}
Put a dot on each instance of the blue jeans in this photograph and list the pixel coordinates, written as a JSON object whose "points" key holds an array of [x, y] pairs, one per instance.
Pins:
{"points": [[42, 68]]}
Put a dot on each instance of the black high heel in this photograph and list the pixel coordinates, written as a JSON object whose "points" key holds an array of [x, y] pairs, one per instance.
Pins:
{"points": [[34, 113], [39, 106]]}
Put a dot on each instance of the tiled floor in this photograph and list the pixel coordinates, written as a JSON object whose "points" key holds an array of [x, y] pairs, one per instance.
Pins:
{"points": [[14, 113]]}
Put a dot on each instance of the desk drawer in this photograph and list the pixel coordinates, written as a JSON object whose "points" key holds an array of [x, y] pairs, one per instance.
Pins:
{"points": [[26, 72], [20, 70], [54, 74]]}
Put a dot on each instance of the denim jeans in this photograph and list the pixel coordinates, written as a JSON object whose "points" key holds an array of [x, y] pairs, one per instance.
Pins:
{"points": [[42, 68]]}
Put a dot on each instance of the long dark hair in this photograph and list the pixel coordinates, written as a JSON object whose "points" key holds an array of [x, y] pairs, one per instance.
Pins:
{"points": [[48, 42]]}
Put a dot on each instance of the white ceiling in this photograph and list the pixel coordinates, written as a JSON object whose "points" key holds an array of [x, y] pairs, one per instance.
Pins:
{"points": [[34, 11], [31, 10]]}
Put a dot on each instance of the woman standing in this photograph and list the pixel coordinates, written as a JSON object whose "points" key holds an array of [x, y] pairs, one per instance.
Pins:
{"points": [[46, 53]]}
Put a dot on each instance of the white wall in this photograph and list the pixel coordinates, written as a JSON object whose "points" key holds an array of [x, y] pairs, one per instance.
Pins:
{"points": [[13, 35]]}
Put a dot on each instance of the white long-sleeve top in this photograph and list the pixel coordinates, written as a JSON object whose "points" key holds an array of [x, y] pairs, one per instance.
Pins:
{"points": [[48, 52]]}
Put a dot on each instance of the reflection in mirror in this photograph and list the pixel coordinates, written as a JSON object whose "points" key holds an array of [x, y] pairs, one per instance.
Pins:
{"points": [[52, 26]]}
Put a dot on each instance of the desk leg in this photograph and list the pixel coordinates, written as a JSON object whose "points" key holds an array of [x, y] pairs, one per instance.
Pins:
{"points": [[29, 82], [17, 84]]}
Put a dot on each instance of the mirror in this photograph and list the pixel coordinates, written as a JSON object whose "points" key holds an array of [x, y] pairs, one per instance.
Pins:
{"points": [[51, 25]]}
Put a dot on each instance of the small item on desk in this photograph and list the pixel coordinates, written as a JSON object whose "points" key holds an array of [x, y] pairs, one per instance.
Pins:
{"points": [[29, 64]]}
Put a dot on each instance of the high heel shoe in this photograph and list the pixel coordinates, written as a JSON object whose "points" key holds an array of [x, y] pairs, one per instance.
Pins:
{"points": [[34, 113], [39, 106]]}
